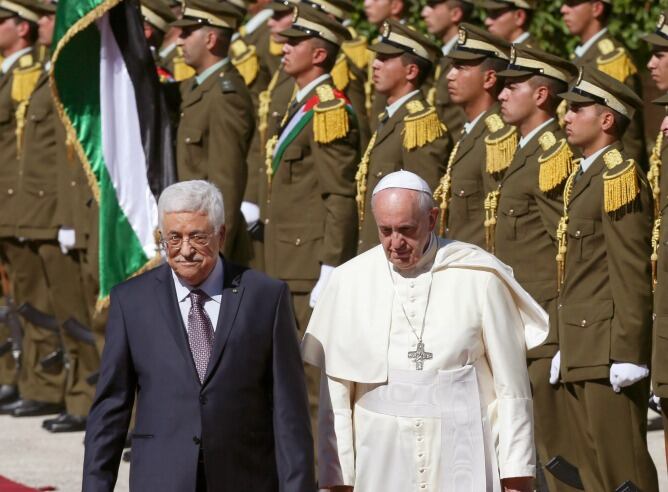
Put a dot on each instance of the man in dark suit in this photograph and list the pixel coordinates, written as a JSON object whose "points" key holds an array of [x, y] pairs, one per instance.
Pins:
{"points": [[211, 351]]}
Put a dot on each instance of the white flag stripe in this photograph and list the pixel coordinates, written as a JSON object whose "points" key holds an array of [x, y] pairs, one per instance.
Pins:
{"points": [[121, 141]]}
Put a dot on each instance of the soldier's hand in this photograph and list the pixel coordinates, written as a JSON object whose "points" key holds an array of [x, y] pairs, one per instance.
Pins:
{"points": [[66, 238], [623, 374], [555, 368], [251, 213]]}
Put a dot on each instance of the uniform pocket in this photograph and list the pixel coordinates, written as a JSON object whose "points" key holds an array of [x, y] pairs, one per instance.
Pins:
{"points": [[585, 335], [470, 191], [580, 240], [513, 209], [298, 247]]}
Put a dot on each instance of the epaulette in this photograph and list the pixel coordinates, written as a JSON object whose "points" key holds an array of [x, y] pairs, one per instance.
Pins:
{"points": [[356, 49], [556, 162], [620, 182], [275, 48], [24, 79], [227, 84], [330, 115], [181, 70], [341, 73], [615, 62], [421, 125], [500, 144], [245, 58]]}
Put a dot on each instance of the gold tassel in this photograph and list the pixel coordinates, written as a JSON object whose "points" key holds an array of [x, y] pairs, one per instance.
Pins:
{"points": [[421, 129], [368, 84], [620, 189], [181, 70], [361, 179], [654, 174], [248, 65], [340, 73], [275, 48], [20, 125], [442, 193], [330, 123], [268, 158], [656, 236], [500, 150], [264, 100], [491, 205], [555, 168], [562, 228], [356, 50], [619, 66]]}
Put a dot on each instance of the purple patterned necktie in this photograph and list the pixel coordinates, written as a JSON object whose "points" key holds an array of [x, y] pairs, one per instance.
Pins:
{"points": [[200, 332]]}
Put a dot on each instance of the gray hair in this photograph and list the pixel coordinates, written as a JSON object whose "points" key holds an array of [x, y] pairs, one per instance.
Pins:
{"points": [[197, 196], [424, 200]]}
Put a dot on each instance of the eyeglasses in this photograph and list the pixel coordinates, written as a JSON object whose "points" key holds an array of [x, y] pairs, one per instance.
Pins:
{"points": [[174, 241]]}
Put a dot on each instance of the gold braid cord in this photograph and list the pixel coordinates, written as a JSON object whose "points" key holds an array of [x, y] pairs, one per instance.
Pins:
{"points": [[263, 106], [442, 193], [361, 179], [562, 228], [654, 258], [491, 205], [24, 81], [654, 178], [270, 146]]}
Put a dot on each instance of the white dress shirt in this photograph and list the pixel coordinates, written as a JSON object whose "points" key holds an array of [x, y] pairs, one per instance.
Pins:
{"points": [[9, 61], [392, 108], [304, 91], [580, 50], [212, 287], [527, 138], [584, 165]]}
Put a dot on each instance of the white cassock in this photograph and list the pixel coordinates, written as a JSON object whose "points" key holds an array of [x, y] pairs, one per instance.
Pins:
{"points": [[458, 425]]}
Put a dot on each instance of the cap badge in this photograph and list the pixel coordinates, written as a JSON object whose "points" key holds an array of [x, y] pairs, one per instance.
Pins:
{"points": [[661, 22], [461, 37], [580, 75], [513, 55], [386, 29], [295, 14]]}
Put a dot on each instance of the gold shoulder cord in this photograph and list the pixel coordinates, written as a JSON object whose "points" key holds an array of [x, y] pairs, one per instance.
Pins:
{"points": [[263, 105], [442, 193], [361, 179], [562, 228], [491, 204], [271, 143], [654, 178]]}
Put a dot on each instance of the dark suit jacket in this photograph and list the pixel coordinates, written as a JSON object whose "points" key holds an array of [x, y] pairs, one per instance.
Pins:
{"points": [[249, 417]]}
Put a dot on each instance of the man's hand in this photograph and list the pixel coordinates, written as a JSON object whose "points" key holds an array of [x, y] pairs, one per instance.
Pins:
{"points": [[251, 213], [66, 238], [325, 272], [555, 368], [623, 374], [517, 484]]}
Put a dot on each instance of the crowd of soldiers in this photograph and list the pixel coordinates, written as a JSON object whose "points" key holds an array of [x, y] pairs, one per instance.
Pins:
{"points": [[296, 116]]}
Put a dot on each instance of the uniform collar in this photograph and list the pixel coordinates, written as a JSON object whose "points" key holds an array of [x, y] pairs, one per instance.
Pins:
{"points": [[302, 93], [521, 38], [447, 47], [392, 108], [209, 71], [526, 139], [9, 61], [587, 162], [580, 50], [469, 126]]}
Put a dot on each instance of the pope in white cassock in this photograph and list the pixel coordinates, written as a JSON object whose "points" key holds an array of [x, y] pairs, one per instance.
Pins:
{"points": [[422, 345]]}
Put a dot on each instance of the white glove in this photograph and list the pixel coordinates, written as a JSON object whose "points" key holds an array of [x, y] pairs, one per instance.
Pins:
{"points": [[66, 238], [623, 374], [325, 272], [657, 401], [251, 213], [555, 368]]}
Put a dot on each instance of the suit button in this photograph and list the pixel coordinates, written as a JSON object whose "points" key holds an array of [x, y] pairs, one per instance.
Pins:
{"points": [[188, 140], [583, 322], [359, 241], [10, 191], [202, 399], [578, 233], [298, 241], [197, 440], [40, 193]]}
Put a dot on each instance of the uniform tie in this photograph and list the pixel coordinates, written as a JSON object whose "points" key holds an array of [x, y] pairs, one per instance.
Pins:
{"points": [[200, 332]]}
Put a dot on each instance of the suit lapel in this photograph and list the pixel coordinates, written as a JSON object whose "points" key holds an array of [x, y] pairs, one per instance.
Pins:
{"points": [[169, 304], [229, 306]]}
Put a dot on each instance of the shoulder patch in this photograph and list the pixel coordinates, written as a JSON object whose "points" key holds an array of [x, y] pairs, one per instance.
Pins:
{"points": [[556, 163], [227, 85], [421, 125], [605, 46], [494, 123], [617, 63], [620, 187], [613, 158], [330, 115], [24, 81]]}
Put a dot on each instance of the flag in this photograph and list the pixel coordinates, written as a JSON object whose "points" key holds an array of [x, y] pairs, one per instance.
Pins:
{"points": [[107, 93]]}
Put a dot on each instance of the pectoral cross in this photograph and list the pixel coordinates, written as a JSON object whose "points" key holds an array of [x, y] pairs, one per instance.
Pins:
{"points": [[419, 356]]}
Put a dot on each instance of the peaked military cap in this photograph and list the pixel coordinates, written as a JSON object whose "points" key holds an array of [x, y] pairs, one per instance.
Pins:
{"points": [[475, 43], [209, 13], [660, 35], [308, 22], [594, 86], [341, 9], [283, 5], [661, 101], [29, 10], [157, 13], [526, 61], [46, 7], [397, 39], [504, 4], [240, 5]]}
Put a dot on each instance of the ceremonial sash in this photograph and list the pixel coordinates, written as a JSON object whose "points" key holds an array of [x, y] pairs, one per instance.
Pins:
{"points": [[292, 129]]}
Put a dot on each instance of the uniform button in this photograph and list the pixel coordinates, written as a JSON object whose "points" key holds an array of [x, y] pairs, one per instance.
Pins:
{"points": [[418, 424], [197, 440], [188, 140], [40, 193], [379, 174], [266, 221], [73, 183], [10, 191], [423, 485], [359, 241], [560, 306], [412, 284], [511, 211], [181, 114], [202, 399], [578, 233], [275, 114], [412, 315], [583, 322], [32, 117], [298, 241], [422, 470], [653, 316], [412, 299], [461, 192]]}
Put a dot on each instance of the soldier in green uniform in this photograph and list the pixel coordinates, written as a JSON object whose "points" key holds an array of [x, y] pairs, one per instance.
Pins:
{"points": [[26, 228], [588, 21], [530, 207], [171, 55], [485, 148], [410, 135], [443, 18], [658, 179], [157, 19], [217, 121], [510, 19], [605, 304]]}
